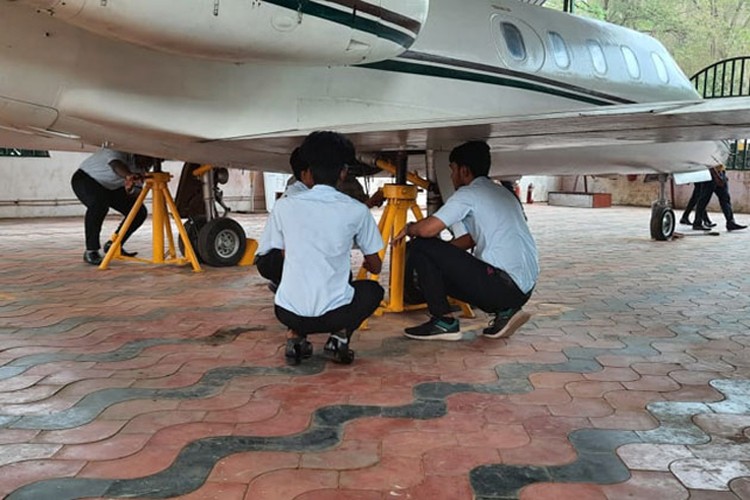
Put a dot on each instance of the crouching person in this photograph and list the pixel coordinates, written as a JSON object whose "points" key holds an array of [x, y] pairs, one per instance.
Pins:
{"points": [[316, 230], [501, 274]]}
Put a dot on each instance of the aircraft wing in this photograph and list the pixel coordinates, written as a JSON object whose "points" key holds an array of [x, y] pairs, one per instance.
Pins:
{"points": [[629, 138], [554, 143]]}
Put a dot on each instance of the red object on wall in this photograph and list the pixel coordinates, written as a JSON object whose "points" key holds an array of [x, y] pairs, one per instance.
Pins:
{"points": [[530, 193]]}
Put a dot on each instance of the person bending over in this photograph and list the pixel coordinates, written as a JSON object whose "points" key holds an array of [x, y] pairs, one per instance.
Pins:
{"points": [[502, 273], [315, 230], [107, 180]]}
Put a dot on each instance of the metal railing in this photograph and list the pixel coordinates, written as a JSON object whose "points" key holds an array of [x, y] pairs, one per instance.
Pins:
{"points": [[728, 78]]}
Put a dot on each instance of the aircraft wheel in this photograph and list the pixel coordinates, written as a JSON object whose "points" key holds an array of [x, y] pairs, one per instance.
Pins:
{"points": [[222, 242], [662, 223], [193, 227]]}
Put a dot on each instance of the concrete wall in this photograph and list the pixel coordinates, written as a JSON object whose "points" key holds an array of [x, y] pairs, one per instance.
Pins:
{"points": [[633, 191], [40, 187]]}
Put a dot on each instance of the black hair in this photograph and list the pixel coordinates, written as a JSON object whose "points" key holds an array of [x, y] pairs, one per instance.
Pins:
{"points": [[327, 153], [298, 164], [473, 154]]}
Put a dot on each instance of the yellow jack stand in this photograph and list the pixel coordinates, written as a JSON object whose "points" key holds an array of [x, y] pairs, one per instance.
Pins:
{"points": [[161, 200], [400, 200]]}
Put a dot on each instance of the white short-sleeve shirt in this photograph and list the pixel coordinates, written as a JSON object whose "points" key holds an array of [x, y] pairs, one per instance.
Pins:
{"points": [[316, 230], [97, 167], [295, 188], [292, 189], [495, 220]]}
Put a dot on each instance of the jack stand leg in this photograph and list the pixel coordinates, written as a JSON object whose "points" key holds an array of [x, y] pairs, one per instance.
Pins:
{"points": [[114, 249], [400, 200], [162, 205], [189, 251]]}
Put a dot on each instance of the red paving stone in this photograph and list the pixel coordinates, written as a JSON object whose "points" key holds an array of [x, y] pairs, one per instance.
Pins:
{"points": [[602, 291]]}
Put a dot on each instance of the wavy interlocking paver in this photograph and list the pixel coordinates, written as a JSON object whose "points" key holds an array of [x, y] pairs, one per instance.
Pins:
{"points": [[631, 379]]}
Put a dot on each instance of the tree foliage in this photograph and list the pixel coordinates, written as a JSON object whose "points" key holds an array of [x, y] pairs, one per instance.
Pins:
{"points": [[696, 32]]}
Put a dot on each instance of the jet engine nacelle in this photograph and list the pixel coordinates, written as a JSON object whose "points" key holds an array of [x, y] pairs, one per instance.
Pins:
{"points": [[318, 32]]}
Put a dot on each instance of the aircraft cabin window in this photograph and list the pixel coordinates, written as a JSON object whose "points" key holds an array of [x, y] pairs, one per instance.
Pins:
{"points": [[631, 61], [559, 49], [661, 68], [597, 56], [514, 41]]}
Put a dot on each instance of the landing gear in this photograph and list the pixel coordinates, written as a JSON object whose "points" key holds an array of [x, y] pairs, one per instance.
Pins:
{"points": [[663, 221], [222, 242], [218, 240]]}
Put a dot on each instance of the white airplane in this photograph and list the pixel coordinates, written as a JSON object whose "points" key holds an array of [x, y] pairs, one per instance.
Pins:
{"points": [[238, 83]]}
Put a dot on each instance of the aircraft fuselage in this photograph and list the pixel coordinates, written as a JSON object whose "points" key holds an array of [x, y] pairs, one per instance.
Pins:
{"points": [[75, 76]]}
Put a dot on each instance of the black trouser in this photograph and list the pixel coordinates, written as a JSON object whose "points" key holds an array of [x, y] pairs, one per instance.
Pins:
{"points": [[705, 190], [444, 270], [98, 201], [270, 265], [692, 201], [725, 201], [367, 297]]}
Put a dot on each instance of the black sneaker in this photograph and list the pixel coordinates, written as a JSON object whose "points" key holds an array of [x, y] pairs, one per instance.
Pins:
{"points": [[435, 329], [122, 250], [337, 348], [700, 227], [505, 323], [708, 223], [685, 221], [92, 257], [733, 226], [297, 349]]}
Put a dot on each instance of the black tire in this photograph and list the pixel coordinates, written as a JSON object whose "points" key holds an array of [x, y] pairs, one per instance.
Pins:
{"points": [[193, 227], [222, 242], [663, 223]]}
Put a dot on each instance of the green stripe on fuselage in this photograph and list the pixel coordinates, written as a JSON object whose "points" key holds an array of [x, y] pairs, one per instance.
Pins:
{"points": [[453, 74], [349, 19]]}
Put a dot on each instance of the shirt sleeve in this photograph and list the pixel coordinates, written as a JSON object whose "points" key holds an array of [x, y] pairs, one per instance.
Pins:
{"points": [[368, 238], [455, 209], [272, 236]]}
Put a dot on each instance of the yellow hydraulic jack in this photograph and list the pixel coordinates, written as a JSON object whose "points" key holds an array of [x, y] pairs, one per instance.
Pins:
{"points": [[161, 201], [400, 200]]}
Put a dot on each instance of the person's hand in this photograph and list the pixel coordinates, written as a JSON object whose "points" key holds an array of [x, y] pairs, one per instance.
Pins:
{"points": [[376, 200], [131, 181], [401, 234]]}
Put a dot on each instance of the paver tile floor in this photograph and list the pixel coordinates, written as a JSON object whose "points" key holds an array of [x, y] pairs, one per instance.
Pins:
{"points": [[632, 379]]}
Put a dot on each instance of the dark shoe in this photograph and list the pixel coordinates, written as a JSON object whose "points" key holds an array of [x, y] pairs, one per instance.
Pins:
{"points": [[685, 222], [707, 222], [505, 323], [122, 250], [435, 329], [297, 349], [700, 227], [337, 348], [93, 257], [733, 226]]}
